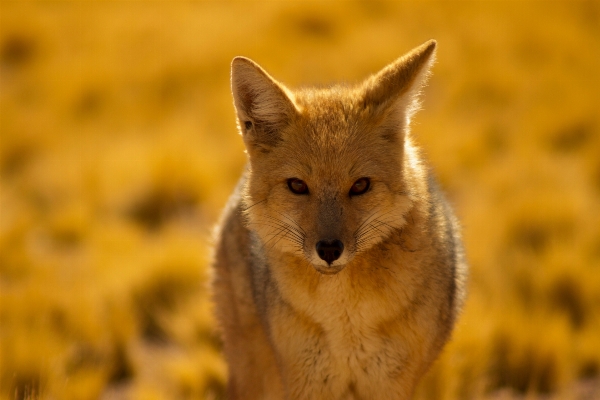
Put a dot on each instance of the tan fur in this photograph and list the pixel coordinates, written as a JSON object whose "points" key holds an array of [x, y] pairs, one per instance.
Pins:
{"points": [[368, 325]]}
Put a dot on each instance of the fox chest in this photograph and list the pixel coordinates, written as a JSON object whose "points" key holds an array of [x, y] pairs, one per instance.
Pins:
{"points": [[341, 341], [364, 357], [342, 358]]}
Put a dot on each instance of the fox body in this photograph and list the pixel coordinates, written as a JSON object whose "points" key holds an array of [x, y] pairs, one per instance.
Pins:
{"points": [[338, 265]]}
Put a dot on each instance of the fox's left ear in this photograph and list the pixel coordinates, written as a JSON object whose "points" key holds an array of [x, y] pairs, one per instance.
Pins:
{"points": [[264, 107], [392, 95]]}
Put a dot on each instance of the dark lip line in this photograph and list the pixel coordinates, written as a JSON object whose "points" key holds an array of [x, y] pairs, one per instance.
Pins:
{"points": [[330, 271]]}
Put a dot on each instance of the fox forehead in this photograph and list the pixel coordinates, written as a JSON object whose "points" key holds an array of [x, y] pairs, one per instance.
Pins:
{"points": [[330, 117], [330, 139], [331, 167]]}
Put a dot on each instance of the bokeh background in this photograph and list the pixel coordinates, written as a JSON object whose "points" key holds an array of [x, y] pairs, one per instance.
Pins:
{"points": [[118, 149]]}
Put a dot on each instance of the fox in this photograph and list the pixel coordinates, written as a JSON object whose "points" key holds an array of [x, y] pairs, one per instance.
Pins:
{"points": [[338, 264]]}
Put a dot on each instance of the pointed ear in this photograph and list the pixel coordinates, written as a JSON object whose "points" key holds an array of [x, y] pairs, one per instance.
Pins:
{"points": [[392, 95], [264, 107]]}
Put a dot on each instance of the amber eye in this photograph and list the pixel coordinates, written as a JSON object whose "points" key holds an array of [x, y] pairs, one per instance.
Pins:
{"points": [[360, 186], [297, 186]]}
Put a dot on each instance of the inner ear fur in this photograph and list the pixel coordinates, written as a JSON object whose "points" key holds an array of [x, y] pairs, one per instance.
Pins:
{"points": [[263, 106], [392, 95]]}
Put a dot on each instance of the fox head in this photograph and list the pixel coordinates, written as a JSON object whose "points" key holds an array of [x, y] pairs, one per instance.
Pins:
{"points": [[330, 170]]}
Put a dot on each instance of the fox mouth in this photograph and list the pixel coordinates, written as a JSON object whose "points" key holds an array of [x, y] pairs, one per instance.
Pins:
{"points": [[330, 269]]}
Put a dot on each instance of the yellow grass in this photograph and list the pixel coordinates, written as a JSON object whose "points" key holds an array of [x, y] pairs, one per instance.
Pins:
{"points": [[118, 149]]}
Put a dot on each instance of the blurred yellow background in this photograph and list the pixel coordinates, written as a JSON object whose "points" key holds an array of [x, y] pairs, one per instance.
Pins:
{"points": [[118, 149]]}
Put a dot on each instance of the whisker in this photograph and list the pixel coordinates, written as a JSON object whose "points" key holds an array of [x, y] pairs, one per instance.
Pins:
{"points": [[370, 219], [294, 223], [278, 222], [252, 205], [280, 230], [366, 221], [377, 224], [293, 229]]}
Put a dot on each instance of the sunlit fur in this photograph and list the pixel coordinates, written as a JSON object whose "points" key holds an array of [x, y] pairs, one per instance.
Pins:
{"points": [[369, 324]]}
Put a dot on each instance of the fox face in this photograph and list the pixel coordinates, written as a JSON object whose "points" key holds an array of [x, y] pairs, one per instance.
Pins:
{"points": [[329, 169]]}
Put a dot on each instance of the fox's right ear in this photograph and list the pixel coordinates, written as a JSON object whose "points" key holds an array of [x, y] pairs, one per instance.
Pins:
{"points": [[264, 107], [393, 93]]}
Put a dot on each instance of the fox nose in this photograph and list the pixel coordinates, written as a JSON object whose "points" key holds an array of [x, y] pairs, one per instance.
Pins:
{"points": [[330, 250]]}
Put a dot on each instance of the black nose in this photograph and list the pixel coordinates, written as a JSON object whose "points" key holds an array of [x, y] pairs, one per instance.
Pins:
{"points": [[330, 250]]}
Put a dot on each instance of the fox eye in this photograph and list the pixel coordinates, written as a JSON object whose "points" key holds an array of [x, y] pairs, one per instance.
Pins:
{"points": [[360, 186], [248, 125], [297, 186]]}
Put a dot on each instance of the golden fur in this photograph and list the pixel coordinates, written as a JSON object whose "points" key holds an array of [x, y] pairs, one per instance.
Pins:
{"points": [[369, 324]]}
